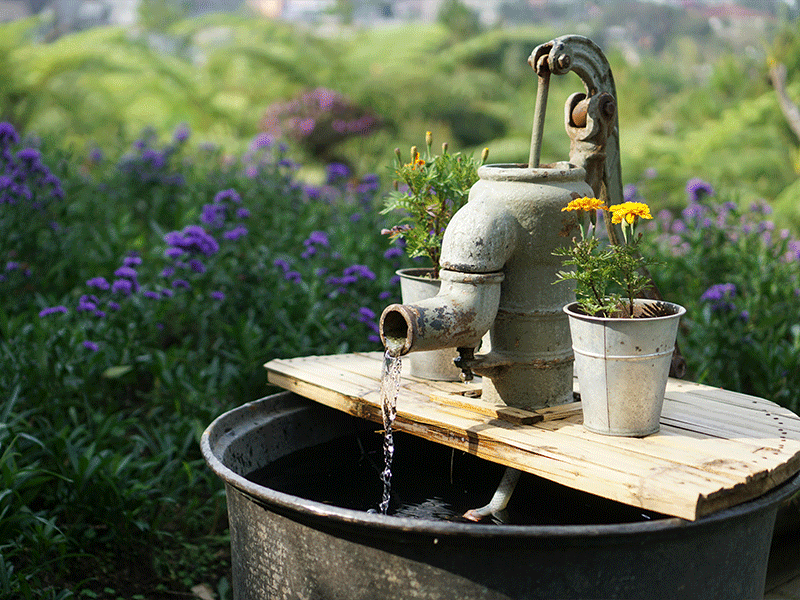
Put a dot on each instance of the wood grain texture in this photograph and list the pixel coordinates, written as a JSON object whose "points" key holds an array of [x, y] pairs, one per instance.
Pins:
{"points": [[715, 448]]}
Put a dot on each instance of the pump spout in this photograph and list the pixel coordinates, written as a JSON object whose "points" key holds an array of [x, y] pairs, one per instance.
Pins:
{"points": [[458, 316]]}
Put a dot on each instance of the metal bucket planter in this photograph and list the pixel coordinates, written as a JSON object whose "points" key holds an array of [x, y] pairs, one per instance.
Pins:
{"points": [[285, 546], [436, 365], [622, 366]]}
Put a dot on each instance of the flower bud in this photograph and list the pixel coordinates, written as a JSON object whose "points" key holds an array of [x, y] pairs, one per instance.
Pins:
{"points": [[484, 155], [414, 153], [444, 148], [397, 154], [428, 139]]}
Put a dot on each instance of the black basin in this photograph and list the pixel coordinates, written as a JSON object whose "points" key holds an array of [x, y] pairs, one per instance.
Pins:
{"points": [[285, 546]]}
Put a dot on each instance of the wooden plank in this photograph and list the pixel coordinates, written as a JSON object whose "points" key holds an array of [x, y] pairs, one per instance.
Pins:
{"points": [[715, 449]]}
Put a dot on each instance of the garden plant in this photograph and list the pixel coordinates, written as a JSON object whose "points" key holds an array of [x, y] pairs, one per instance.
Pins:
{"points": [[142, 294], [428, 191]]}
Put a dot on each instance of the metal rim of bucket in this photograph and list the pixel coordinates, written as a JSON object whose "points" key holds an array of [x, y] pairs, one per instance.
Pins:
{"points": [[562, 171], [388, 524], [573, 311]]}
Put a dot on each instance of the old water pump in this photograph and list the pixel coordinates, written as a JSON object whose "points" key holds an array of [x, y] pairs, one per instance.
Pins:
{"points": [[497, 262]]}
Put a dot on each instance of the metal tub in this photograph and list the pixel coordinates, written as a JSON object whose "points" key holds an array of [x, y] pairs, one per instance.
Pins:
{"points": [[285, 546]]}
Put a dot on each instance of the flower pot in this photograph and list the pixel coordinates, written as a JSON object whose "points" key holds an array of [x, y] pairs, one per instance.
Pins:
{"points": [[437, 365], [622, 366]]}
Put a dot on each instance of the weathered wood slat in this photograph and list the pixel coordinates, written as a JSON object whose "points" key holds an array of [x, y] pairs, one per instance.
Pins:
{"points": [[715, 448]]}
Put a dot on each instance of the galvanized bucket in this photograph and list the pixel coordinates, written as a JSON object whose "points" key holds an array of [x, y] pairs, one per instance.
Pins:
{"points": [[622, 366]]}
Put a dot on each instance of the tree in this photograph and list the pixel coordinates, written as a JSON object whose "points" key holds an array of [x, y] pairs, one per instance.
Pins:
{"points": [[459, 19]]}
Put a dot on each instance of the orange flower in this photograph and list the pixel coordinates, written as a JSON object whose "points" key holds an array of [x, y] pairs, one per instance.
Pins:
{"points": [[586, 204], [629, 212], [417, 162]]}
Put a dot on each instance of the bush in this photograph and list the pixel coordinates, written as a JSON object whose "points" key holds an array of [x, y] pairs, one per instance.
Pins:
{"points": [[738, 275], [188, 273]]}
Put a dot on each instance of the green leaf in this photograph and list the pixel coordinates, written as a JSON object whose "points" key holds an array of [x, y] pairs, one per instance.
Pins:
{"points": [[117, 372]]}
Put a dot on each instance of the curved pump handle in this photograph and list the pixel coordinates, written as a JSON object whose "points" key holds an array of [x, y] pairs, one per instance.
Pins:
{"points": [[591, 118], [593, 127]]}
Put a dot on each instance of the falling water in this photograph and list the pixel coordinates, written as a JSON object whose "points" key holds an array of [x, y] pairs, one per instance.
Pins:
{"points": [[390, 389]]}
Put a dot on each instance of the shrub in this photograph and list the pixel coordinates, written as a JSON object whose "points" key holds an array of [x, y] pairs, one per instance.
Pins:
{"points": [[738, 275], [189, 272]]}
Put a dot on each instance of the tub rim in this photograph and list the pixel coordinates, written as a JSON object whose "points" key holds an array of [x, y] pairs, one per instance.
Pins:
{"points": [[298, 507]]}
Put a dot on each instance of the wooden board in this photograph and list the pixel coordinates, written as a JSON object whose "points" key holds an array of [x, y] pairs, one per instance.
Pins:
{"points": [[715, 448]]}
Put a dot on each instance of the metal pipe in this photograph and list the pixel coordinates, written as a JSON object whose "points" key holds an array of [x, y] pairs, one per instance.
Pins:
{"points": [[458, 316]]}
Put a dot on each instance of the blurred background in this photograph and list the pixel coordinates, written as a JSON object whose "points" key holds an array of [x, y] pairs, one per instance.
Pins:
{"points": [[350, 80]]}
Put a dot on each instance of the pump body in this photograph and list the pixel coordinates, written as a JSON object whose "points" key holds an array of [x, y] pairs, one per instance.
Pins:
{"points": [[498, 274]]}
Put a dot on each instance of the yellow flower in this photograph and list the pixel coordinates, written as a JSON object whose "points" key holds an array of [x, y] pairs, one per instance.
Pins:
{"points": [[416, 162], [586, 204], [629, 211]]}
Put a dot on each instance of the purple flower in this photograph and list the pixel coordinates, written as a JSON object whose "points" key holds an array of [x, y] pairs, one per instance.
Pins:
{"points": [[719, 295], [173, 253], [281, 264], [91, 346], [95, 155], [235, 233], [8, 135], [53, 310], [31, 157], [393, 252], [194, 239], [337, 172], [366, 315], [197, 266], [697, 189], [182, 133], [181, 283], [360, 271], [630, 192], [369, 183], [293, 276], [113, 305], [312, 192], [168, 272], [152, 295], [131, 261], [87, 303], [319, 238], [262, 141], [216, 295], [12, 265], [213, 215], [227, 195], [122, 286], [126, 272], [167, 293], [719, 291], [242, 213]]}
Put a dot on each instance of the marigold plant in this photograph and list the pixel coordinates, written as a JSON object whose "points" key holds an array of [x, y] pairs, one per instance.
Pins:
{"points": [[429, 189], [608, 276]]}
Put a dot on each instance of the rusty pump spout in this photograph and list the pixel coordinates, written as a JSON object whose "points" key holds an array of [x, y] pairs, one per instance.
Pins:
{"points": [[498, 263]]}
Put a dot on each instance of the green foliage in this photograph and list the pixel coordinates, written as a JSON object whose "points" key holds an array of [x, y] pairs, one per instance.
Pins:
{"points": [[740, 330], [143, 337], [435, 187], [160, 15], [459, 19]]}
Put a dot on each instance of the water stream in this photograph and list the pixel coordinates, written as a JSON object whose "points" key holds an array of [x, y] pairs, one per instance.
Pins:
{"points": [[390, 389]]}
